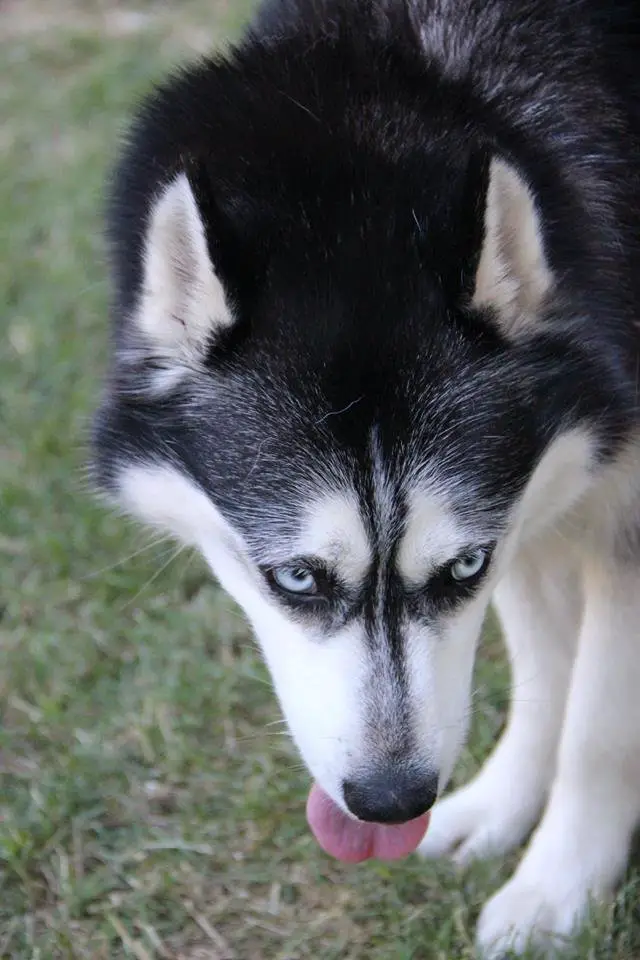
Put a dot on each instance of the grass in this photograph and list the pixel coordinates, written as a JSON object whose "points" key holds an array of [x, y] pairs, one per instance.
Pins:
{"points": [[149, 806]]}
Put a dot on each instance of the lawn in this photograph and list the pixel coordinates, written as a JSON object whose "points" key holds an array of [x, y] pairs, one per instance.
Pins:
{"points": [[150, 804]]}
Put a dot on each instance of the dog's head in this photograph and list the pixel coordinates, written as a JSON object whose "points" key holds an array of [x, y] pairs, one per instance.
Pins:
{"points": [[318, 380]]}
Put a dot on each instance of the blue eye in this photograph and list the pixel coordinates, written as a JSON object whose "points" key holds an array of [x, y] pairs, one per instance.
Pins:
{"points": [[295, 578], [469, 565]]}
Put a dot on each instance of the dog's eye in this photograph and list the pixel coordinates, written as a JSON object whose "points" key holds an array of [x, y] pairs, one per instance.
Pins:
{"points": [[456, 580], [469, 565], [295, 579]]}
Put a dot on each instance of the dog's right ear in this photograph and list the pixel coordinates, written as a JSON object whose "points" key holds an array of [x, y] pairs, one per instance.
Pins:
{"points": [[196, 265], [182, 305]]}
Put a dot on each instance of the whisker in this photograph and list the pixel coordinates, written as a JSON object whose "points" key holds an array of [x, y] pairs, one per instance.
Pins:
{"points": [[188, 560], [174, 556], [123, 560], [264, 735]]}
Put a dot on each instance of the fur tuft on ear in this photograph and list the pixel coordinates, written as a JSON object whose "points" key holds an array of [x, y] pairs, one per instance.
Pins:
{"points": [[183, 303], [513, 276]]}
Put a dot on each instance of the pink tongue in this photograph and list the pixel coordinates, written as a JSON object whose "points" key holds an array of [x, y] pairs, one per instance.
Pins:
{"points": [[353, 840]]}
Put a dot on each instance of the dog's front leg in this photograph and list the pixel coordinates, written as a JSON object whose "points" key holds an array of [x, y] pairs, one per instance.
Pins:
{"points": [[581, 846]]}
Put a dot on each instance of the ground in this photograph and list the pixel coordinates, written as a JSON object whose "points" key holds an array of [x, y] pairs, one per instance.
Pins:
{"points": [[150, 805]]}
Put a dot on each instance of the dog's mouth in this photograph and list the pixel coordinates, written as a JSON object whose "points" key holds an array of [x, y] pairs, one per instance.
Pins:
{"points": [[352, 840]]}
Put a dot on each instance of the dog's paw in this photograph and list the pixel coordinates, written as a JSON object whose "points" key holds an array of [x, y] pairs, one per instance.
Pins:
{"points": [[525, 914], [486, 818], [568, 867]]}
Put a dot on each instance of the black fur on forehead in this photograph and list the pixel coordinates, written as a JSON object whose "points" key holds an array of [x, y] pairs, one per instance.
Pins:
{"points": [[308, 146]]}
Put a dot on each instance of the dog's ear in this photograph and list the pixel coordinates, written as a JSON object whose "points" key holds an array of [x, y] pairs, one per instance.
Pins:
{"points": [[199, 267], [183, 305], [513, 276]]}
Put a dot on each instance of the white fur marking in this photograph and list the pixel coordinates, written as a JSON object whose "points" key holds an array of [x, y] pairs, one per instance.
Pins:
{"points": [[165, 498], [431, 537], [333, 530]]}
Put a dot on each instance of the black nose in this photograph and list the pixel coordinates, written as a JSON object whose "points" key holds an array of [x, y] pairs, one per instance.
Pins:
{"points": [[391, 795]]}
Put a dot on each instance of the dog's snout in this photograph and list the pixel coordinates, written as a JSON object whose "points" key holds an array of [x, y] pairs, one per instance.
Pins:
{"points": [[391, 794]]}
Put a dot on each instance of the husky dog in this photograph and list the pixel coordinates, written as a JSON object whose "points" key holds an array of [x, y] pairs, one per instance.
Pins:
{"points": [[376, 276]]}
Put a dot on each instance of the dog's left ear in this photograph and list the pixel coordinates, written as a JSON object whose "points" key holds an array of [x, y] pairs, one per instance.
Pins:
{"points": [[513, 276]]}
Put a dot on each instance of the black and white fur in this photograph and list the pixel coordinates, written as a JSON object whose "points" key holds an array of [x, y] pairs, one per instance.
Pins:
{"points": [[376, 277]]}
